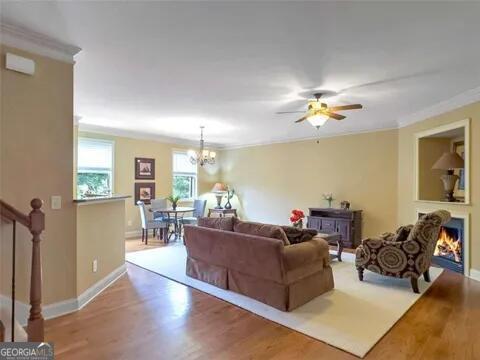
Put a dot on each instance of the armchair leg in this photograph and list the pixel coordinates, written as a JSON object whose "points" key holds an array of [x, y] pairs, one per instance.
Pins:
{"points": [[426, 275], [360, 273], [414, 282]]}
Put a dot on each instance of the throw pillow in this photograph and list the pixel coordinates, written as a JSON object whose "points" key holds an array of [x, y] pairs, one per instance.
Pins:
{"points": [[296, 236], [259, 229], [220, 223]]}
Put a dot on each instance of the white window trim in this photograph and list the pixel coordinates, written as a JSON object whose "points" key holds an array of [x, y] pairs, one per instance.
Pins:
{"points": [[195, 192], [112, 143]]}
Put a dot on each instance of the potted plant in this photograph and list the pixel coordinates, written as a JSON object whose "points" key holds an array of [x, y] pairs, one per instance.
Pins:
{"points": [[296, 218], [328, 197], [174, 200]]}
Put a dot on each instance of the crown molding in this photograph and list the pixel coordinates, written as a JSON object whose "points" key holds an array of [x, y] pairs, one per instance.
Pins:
{"points": [[463, 99], [308, 138], [145, 136], [28, 40]]}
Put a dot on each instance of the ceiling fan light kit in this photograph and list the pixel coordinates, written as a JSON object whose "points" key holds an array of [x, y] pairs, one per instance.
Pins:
{"points": [[319, 112], [317, 120]]}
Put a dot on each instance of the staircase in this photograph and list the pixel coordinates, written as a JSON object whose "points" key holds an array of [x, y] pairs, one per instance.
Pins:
{"points": [[10, 329]]}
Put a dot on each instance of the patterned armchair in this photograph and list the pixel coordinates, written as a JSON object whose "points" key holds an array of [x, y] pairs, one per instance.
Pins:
{"points": [[403, 256]]}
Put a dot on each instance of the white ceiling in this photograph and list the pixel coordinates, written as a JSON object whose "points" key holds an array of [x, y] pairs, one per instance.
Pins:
{"points": [[165, 68]]}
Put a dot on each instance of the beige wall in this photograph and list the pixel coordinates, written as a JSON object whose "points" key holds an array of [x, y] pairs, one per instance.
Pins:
{"points": [[126, 149], [406, 190], [430, 187], [37, 161], [272, 180], [100, 235]]}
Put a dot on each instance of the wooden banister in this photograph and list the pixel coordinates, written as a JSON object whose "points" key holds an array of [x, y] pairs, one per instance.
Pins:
{"points": [[35, 222], [8, 212]]}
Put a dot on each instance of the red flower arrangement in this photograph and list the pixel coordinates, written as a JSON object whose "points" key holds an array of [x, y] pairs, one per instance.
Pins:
{"points": [[297, 218]]}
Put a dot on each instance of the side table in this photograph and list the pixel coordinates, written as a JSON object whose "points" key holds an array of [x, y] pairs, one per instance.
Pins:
{"points": [[333, 239], [222, 212]]}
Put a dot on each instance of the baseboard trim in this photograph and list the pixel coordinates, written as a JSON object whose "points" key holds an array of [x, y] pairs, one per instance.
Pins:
{"points": [[68, 306], [60, 308], [474, 274], [97, 288], [133, 234]]}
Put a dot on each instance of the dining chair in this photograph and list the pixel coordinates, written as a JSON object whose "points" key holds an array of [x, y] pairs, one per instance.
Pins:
{"points": [[148, 222], [199, 206], [157, 204]]}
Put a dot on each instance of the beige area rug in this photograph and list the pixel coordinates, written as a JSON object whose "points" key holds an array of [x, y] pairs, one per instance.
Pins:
{"points": [[353, 317]]}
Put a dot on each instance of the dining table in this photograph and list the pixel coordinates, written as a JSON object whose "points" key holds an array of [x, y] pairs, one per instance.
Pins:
{"points": [[174, 216]]}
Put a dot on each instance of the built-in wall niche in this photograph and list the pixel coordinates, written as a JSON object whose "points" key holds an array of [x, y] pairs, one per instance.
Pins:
{"points": [[443, 163]]}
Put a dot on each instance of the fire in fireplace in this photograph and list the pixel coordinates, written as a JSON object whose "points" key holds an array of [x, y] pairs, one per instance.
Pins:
{"points": [[449, 250], [449, 244]]}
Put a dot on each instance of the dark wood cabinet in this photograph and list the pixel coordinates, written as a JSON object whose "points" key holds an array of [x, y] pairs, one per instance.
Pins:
{"points": [[347, 223]]}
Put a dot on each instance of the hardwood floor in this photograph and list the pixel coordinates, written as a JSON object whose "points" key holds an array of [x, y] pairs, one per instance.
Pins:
{"points": [[137, 244], [146, 316]]}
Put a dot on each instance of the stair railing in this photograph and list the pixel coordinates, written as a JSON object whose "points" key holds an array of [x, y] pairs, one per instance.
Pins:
{"points": [[35, 222]]}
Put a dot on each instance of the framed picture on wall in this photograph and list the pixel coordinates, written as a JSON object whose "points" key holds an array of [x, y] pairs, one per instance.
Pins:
{"points": [[144, 192], [144, 169]]}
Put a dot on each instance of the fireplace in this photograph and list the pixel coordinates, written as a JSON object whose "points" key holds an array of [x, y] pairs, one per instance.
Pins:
{"points": [[450, 248]]}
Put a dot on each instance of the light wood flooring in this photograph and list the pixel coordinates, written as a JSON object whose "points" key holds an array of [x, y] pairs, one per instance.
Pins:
{"points": [[137, 244], [146, 316]]}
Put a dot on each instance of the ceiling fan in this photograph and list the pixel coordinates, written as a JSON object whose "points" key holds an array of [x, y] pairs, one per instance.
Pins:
{"points": [[318, 112]]}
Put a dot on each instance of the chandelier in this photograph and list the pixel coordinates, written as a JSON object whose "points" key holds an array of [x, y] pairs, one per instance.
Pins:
{"points": [[203, 156]]}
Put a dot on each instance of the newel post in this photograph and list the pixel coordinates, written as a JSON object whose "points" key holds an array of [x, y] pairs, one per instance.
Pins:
{"points": [[35, 320]]}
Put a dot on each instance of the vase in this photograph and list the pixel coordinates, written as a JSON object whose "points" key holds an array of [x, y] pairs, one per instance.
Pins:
{"points": [[228, 205], [298, 224], [174, 206], [329, 203]]}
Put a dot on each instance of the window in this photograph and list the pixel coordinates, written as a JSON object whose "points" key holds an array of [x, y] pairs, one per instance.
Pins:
{"points": [[184, 176], [94, 167]]}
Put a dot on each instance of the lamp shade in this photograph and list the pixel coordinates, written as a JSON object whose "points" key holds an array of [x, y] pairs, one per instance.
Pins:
{"points": [[449, 160], [219, 188]]}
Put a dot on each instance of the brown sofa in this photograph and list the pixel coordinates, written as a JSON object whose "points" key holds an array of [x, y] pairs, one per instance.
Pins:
{"points": [[264, 268]]}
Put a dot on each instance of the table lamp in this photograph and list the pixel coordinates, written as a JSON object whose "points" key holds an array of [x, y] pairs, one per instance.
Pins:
{"points": [[449, 161], [219, 189]]}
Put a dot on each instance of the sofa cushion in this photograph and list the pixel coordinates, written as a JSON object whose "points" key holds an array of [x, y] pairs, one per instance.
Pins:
{"points": [[219, 223], [259, 229], [296, 236]]}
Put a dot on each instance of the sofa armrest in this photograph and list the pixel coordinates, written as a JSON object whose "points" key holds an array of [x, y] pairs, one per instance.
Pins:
{"points": [[305, 253]]}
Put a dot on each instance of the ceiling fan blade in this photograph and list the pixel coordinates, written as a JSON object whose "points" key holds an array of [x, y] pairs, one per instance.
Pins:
{"points": [[333, 115], [345, 107], [290, 112], [301, 119]]}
